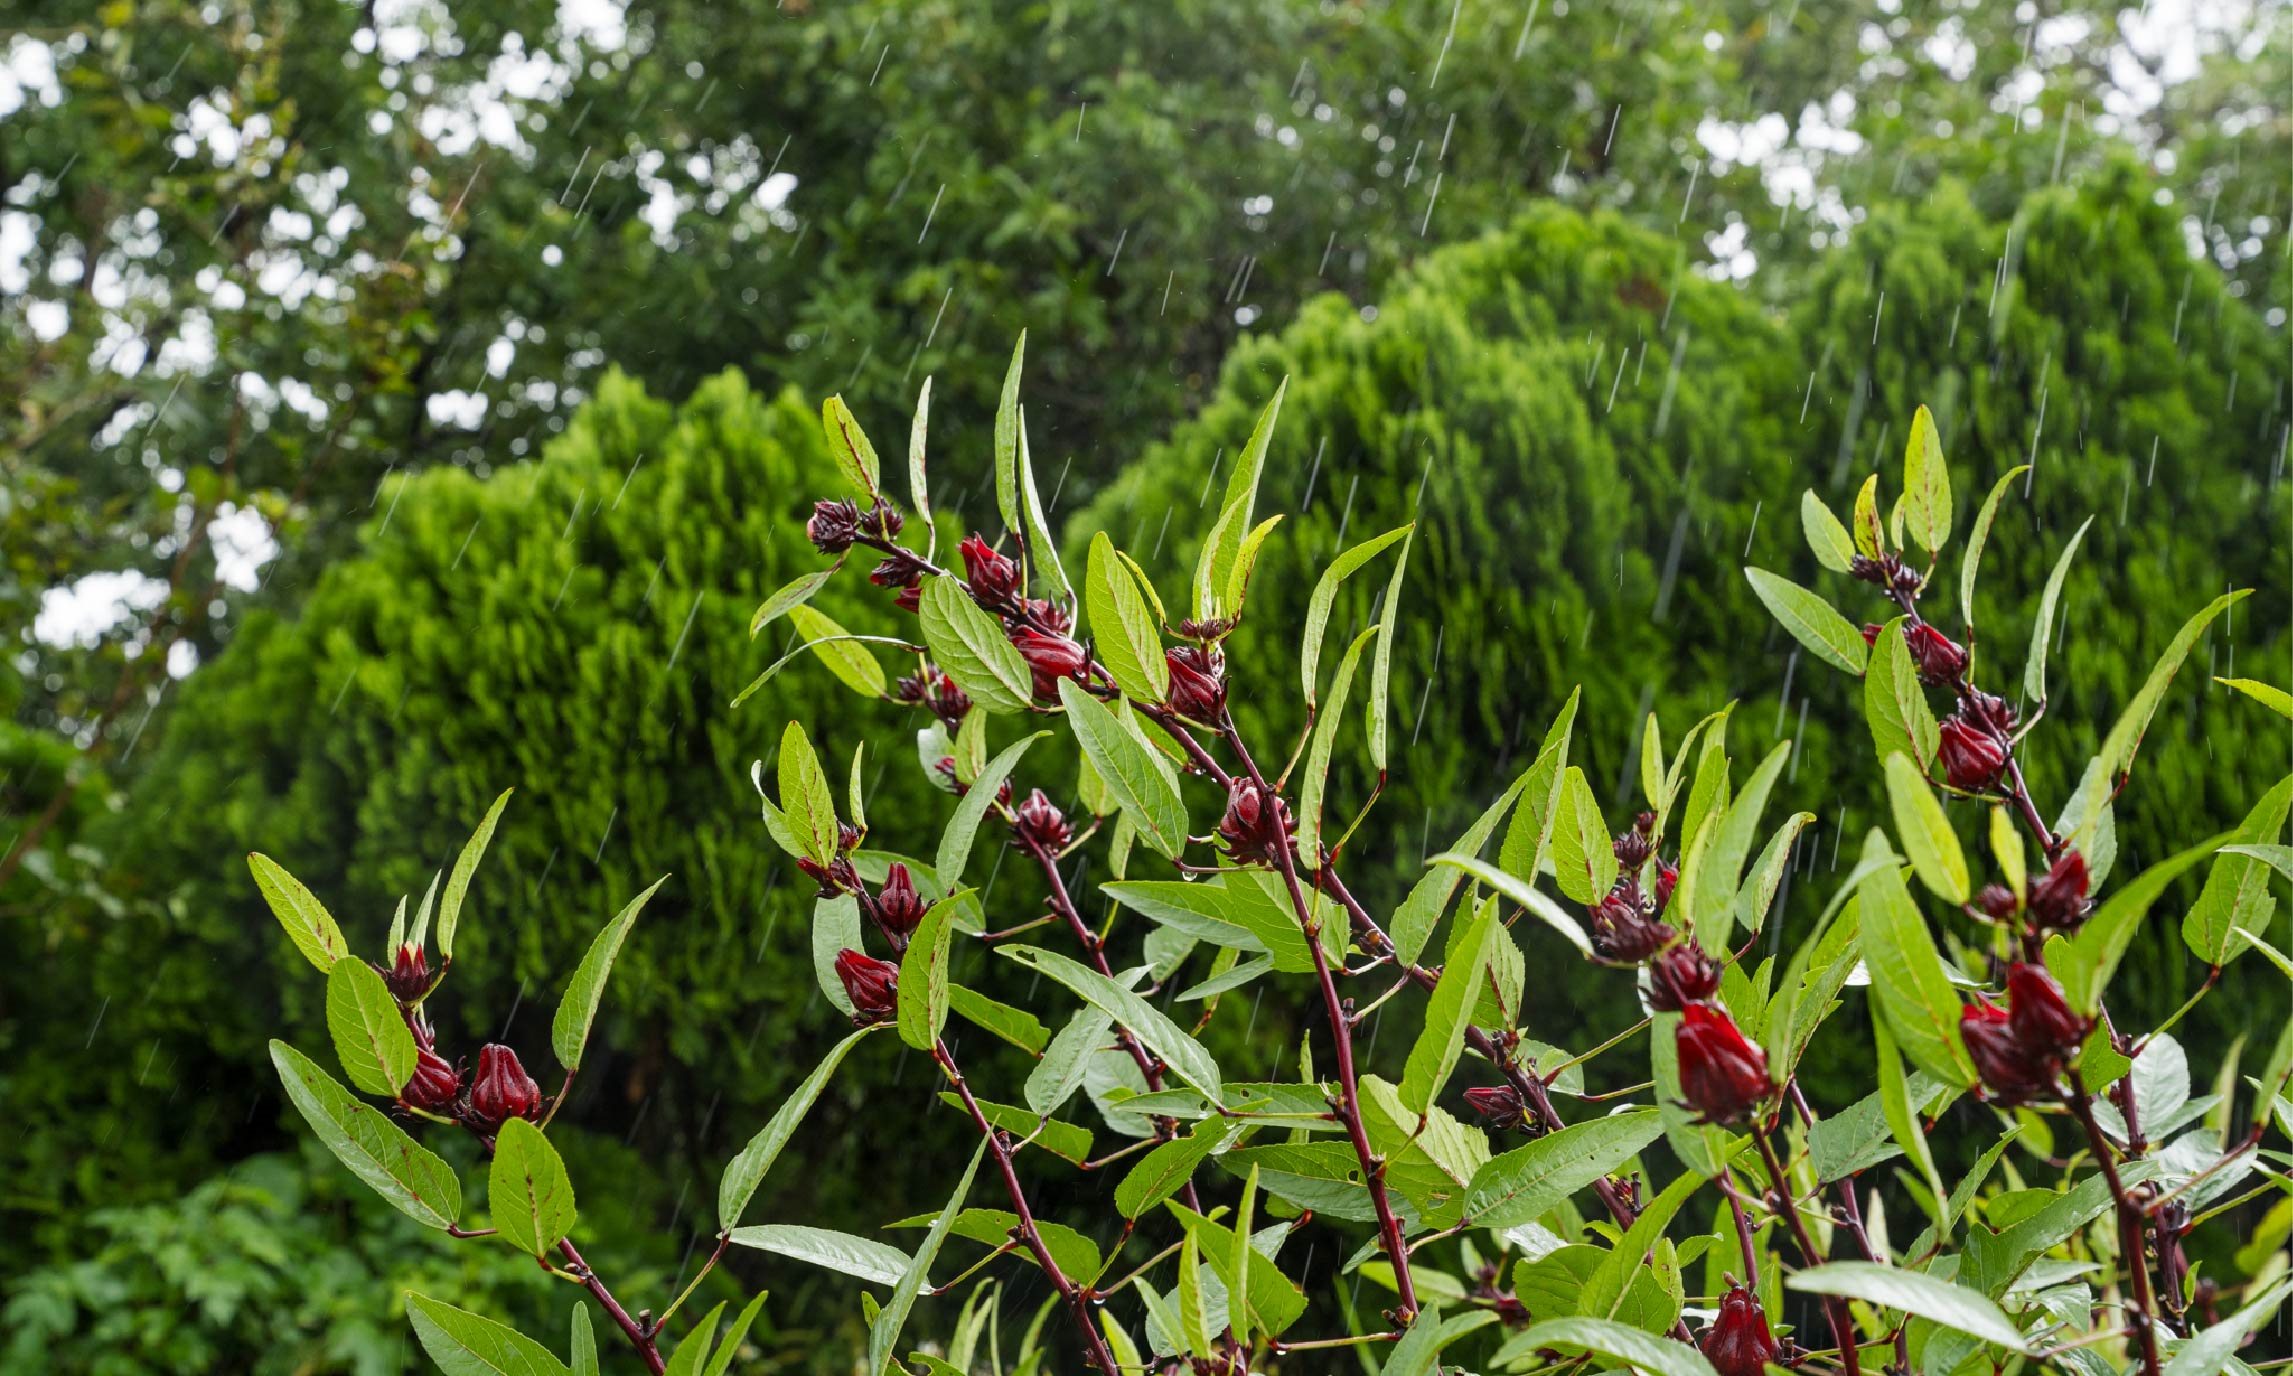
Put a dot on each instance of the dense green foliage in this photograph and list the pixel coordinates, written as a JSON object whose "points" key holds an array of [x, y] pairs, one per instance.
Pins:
{"points": [[1510, 395]]}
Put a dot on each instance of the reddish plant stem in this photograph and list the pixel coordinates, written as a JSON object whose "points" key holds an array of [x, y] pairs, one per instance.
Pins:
{"points": [[1078, 1303], [1348, 1105], [1165, 1129], [639, 1338], [1834, 1308], [1851, 1215], [2132, 1225]]}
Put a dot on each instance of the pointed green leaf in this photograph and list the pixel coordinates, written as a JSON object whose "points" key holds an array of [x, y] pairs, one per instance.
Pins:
{"points": [[370, 1035], [527, 1190], [1520, 1185], [2236, 892], [1531, 832], [1870, 541], [458, 883], [1160, 1035], [955, 843], [1006, 472], [584, 1343], [1925, 506], [1833, 549], [1893, 701], [376, 1150], [1811, 620], [1926, 833], [1913, 1292], [884, 1333], [1325, 597], [1531, 901], [919, 489], [848, 445], [569, 1031], [1646, 1352], [1163, 1171], [1325, 739], [923, 974], [840, 650], [2042, 633], [1123, 626], [1381, 664], [2275, 699], [1044, 570], [791, 595], [1140, 779], [862, 1258], [747, 1169], [1976, 539], [466, 1344], [1213, 573], [1913, 987], [309, 925], [806, 799], [1440, 1042], [1895, 1105], [2098, 946], [972, 647], [1014, 1025], [1584, 864]]}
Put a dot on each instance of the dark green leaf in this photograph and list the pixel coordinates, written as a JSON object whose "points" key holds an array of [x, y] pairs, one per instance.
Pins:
{"points": [[465, 1344], [1811, 620], [527, 1190], [377, 1150], [1141, 780], [747, 1169], [370, 1035], [309, 925], [458, 883], [972, 647], [569, 1030]]}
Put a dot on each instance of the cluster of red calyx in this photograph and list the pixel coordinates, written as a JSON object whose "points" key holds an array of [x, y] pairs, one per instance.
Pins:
{"points": [[1039, 824], [1502, 1108], [904, 570], [1038, 629], [1197, 681], [898, 908], [835, 526], [1888, 571], [1257, 827], [2020, 1050], [1627, 922], [1737, 1341], [873, 986], [498, 1092], [931, 688], [2056, 901], [836, 877]]}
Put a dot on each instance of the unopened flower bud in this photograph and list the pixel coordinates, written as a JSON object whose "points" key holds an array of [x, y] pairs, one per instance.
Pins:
{"points": [[1680, 976], [433, 1085], [1632, 849], [873, 985], [899, 908], [1257, 824], [993, 578], [833, 526], [1050, 658], [1972, 754], [1940, 659], [1197, 681], [1994, 902], [847, 838], [1038, 822], [1722, 1076], [1623, 930], [911, 597], [881, 522], [833, 879], [899, 569], [934, 690], [1871, 631], [1667, 879], [501, 1090], [2040, 1016], [2058, 897], [1992, 710], [408, 977], [1502, 1108], [2010, 1074], [1050, 616], [1204, 630], [1737, 1341]]}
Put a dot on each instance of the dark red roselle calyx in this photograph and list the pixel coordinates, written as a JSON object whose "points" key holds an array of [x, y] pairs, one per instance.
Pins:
{"points": [[1680, 976], [1940, 659], [1722, 1076], [2058, 899], [1737, 1341], [911, 597], [1972, 754], [501, 1090], [408, 977], [1038, 822], [1197, 681], [1501, 1107], [1624, 930], [2010, 1074], [931, 689], [1049, 616], [899, 908], [1204, 630], [1992, 710], [1257, 824], [1633, 847], [900, 569], [873, 985], [838, 878], [433, 1085], [1993, 902], [848, 838], [1871, 631], [881, 522], [994, 579], [833, 527], [1050, 658], [1667, 879], [2039, 1016]]}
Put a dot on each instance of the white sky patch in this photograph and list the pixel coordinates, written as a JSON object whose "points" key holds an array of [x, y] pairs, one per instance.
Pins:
{"points": [[80, 613]]}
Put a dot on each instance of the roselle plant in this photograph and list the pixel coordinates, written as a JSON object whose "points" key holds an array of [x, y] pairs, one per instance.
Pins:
{"points": [[1501, 1209]]}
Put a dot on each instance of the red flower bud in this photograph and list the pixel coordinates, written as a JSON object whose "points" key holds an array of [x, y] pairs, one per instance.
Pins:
{"points": [[833, 526], [900, 569], [2058, 897], [1197, 681], [933, 689], [2010, 1074], [1038, 822], [1972, 754], [847, 838], [1722, 1076], [1871, 631], [838, 878], [1995, 902], [1667, 879], [1049, 658], [501, 1090], [433, 1085], [1940, 659], [1681, 976], [1994, 711], [2039, 1016], [1257, 824], [882, 522], [408, 977], [899, 908], [873, 985], [1633, 848], [1623, 930], [1737, 1342], [993, 578], [1502, 1108], [1049, 616], [911, 597]]}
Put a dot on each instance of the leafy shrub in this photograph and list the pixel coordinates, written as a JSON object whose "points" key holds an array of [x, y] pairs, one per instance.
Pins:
{"points": [[1986, 1007]]}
